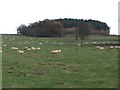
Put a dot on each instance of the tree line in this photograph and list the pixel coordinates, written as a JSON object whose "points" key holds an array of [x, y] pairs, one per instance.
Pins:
{"points": [[98, 25], [57, 27]]}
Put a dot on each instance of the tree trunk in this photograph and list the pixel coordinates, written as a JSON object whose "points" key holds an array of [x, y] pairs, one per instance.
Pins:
{"points": [[76, 37], [81, 42]]}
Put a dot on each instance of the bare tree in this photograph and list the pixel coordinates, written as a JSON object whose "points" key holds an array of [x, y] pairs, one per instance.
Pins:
{"points": [[83, 30]]}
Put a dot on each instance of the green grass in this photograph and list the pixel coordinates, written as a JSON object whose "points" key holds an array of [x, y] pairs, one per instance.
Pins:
{"points": [[75, 67]]}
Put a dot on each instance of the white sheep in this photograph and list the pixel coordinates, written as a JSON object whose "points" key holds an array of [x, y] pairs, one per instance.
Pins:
{"points": [[38, 48], [55, 51], [101, 48], [97, 47], [21, 52], [94, 42], [33, 48], [14, 48], [116, 46], [29, 49], [60, 43], [4, 45], [59, 51], [111, 47], [79, 44], [54, 42], [40, 43], [25, 48], [46, 41], [86, 42]]}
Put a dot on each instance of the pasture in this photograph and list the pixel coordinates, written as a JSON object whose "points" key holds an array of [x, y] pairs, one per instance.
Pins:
{"points": [[75, 66]]}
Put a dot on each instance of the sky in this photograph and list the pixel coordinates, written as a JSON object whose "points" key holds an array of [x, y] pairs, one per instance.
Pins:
{"points": [[13, 13], [119, 18]]}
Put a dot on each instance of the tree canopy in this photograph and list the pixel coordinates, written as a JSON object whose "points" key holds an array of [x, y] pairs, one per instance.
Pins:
{"points": [[58, 27], [83, 30], [42, 29]]}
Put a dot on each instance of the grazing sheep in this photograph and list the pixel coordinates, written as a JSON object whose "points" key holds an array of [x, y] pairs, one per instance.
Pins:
{"points": [[54, 42], [46, 41], [55, 51], [40, 43], [59, 51], [14, 48], [21, 52], [79, 44], [86, 42], [101, 48], [25, 48], [60, 43], [97, 47], [94, 43], [4, 45], [33, 48], [111, 47], [29, 49], [116, 46], [38, 48]]}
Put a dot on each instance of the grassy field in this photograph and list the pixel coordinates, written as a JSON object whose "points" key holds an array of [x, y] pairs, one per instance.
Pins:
{"points": [[75, 67]]}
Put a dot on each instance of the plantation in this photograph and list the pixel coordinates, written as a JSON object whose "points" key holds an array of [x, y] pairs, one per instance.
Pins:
{"points": [[75, 66]]}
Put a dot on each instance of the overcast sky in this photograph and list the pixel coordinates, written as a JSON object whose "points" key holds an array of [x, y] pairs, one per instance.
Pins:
{"points": [[119, 18], [16, 12]]}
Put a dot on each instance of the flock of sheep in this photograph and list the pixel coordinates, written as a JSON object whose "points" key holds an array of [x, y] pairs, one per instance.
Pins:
{"points": [[35, 49], [26, 48], [22, 51], [111, 47]]}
